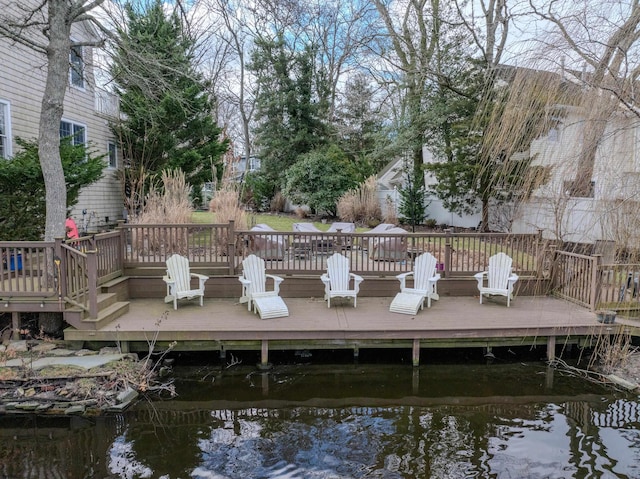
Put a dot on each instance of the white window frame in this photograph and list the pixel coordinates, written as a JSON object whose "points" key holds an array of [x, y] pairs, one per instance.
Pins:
{"points": [[112, 160], [6, 138], [76, 78], [76, 125]]}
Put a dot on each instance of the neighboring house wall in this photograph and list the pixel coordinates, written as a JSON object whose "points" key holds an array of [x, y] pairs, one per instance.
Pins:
{"points": [[612, 211], [391, 181], [22, 81]]}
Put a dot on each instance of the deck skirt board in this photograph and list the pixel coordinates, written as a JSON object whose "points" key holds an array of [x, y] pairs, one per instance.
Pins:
{"points": [[451, 322]]}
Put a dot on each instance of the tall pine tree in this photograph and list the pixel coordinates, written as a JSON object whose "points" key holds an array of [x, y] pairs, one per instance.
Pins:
{"points": [[291, 114], [169, 114]]}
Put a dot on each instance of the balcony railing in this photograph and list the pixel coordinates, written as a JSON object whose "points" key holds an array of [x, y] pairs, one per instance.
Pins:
{"points": [[107, 104]]}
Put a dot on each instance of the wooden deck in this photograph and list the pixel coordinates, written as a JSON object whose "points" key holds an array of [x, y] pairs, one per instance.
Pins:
{"points": [[225, 325]]}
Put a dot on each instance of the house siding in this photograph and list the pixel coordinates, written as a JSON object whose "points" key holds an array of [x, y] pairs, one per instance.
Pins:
{"points": [[22, 82], [610, 214]]}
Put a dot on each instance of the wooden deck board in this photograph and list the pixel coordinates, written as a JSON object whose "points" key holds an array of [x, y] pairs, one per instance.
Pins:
{"points": [[455, 319]]}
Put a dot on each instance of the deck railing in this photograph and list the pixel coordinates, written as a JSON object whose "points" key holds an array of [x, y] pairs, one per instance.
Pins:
{"points": [[618, 287], [457, 254], [28, 270], [573, 278], [220, 245], [149, 245], [76, 270], [587, 281]]}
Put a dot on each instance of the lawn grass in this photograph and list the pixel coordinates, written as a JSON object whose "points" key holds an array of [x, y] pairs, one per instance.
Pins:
{"points": [[277, 222]]}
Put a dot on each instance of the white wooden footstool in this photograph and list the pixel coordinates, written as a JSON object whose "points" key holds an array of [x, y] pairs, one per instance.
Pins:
{"points": [[406, 303], [270, 307]]}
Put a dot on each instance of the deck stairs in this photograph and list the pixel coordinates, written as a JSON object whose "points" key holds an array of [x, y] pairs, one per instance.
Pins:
{"points": [[112, 303]]}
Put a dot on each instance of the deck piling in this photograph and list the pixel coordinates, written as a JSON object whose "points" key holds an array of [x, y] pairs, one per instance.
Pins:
{"points": [[415, 356], [551, 348]]}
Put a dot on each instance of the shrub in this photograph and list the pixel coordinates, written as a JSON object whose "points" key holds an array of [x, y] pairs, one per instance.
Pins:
{"points": [[390, 215], [22, 193], [169, 204], [278, 203], [431, 223], [258, 191], [360, 205], [225, 205], [319, 178]]}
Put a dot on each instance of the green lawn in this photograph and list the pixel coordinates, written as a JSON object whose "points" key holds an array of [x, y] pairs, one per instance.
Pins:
{"points": [[277, 222]]}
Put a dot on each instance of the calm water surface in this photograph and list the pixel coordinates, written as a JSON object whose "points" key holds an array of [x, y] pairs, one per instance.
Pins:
{"points": [[518, 420]]}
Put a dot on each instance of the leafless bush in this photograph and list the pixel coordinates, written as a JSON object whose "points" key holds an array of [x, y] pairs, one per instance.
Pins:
{"points": [[301, 213], [278, 203], [166, 204], [360, 205], [390, 211], [225, 205], [613, 351]]}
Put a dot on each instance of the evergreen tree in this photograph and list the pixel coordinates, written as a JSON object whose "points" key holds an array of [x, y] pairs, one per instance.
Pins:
{"points": [[22, 210], [290, 110], [358, 126], [168, 119], [412, 200]]}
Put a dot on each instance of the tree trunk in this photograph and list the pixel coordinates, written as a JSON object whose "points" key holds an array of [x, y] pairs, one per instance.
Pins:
{"points": [[601, 109], [51, 324], [52, 108], [58, 52]]}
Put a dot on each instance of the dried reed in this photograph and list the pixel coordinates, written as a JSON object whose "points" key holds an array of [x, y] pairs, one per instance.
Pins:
{"points": [[612, 351], [225, 205], [360, 205], [168, 204]]}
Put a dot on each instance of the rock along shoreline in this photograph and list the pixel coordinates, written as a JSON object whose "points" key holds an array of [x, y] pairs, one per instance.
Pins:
{"points": [[46, 377]]}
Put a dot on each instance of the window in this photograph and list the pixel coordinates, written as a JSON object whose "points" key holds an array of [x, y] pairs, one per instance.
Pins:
{"points": [[77, 67], [254, 164], [76, 131], [113, 155], [5, 130]]}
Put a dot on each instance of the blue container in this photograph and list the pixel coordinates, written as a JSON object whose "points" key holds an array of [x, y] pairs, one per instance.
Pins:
{"points": [[12, 262]]}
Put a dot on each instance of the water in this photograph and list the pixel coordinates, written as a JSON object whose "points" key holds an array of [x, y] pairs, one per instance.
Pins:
{"points": [[477, 420]]}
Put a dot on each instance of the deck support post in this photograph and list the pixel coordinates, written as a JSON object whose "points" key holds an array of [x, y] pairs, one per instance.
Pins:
{"points": [[415, 354], [124, 346], [264, 353], [356, 352], [15, 324], [223, 353], [549, 378], [415, 381], [551, 348]]}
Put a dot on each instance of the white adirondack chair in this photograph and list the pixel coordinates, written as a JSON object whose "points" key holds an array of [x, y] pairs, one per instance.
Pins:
{"points": [[268, 304], [178, 279], [500, 279], [425, 286], [337, 280]]}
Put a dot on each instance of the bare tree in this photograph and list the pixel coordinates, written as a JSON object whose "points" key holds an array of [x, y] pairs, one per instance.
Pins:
{"points": [[45, 27], [226, 54], [413, 29], [604, 37]]}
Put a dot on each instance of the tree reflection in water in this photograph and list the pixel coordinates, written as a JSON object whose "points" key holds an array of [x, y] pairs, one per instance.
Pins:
{"points": [[346, 422]]}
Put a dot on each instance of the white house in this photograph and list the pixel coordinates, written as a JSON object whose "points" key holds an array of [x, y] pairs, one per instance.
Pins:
{"points": [[86, 114], [610, 212], [392, 179]]}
